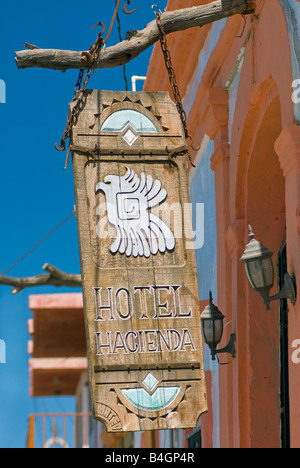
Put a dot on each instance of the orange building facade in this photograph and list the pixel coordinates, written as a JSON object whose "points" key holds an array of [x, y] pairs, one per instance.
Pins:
{"points": [[239, 79]]}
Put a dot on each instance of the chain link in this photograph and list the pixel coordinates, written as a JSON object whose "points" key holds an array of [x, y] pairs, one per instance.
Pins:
{"points": [[82, 81], [92, 57], [172, 79]]}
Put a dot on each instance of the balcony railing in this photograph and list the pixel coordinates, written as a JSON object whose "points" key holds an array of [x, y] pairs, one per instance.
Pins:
{"points": [[71, 430]]}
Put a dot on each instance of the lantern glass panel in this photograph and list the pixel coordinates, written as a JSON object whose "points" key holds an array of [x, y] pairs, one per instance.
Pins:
{"points": [[260, 273], [267, 265], [212, 331]]}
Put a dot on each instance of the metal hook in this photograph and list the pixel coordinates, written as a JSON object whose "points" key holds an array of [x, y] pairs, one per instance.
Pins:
{"points": [[99, 24], [193, 146], [112, 21], [88, 56], [155, 7], [126, 6], [63, 147]]}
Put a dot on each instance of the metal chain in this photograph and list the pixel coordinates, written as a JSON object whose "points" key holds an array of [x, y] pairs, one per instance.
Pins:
{"points": [[172, 79], [121, 39], [91, 56]]}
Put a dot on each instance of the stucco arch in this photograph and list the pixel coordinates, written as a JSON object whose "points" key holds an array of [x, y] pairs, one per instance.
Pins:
{"points": [[259, 201], [257, 189], [265, 183], [259, 103], [264, 76]]}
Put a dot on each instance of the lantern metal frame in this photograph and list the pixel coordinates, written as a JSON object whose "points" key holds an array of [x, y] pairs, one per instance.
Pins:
{"points": [[256, 252], [212, 314]]}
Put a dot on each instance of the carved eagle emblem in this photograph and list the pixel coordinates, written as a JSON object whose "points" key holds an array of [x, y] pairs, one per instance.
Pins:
{"points": [[129, 200]]}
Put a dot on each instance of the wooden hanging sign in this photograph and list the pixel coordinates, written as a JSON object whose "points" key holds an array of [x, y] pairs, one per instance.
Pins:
{"points": [[138, 266]]}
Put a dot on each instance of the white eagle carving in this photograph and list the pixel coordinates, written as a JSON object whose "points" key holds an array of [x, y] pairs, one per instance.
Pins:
{"points": [[129, 199]]}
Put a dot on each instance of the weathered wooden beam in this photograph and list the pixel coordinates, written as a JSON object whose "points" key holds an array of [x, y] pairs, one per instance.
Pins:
{"points": [[55, 277], [137, 41]]}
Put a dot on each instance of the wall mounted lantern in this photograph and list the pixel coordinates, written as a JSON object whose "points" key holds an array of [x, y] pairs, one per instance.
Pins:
{"points": [[212, 330], [260, 273]]}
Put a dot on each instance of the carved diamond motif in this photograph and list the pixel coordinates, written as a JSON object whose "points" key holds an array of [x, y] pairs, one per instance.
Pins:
{"points": [[130, 137], [150, 382]]}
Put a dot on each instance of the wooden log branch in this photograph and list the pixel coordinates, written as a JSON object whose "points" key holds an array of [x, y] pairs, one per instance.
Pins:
{"points": [[137, 41], [54, 277]]}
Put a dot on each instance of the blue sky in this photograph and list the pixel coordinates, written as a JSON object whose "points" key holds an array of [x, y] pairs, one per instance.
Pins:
{"points": [[36, 194]]}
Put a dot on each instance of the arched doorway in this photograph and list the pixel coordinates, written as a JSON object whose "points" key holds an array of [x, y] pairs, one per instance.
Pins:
{"points": [[261, 203]]}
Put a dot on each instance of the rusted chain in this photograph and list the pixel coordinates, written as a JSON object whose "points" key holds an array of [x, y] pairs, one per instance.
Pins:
{"points": [[92, 56], [172, 79]]}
